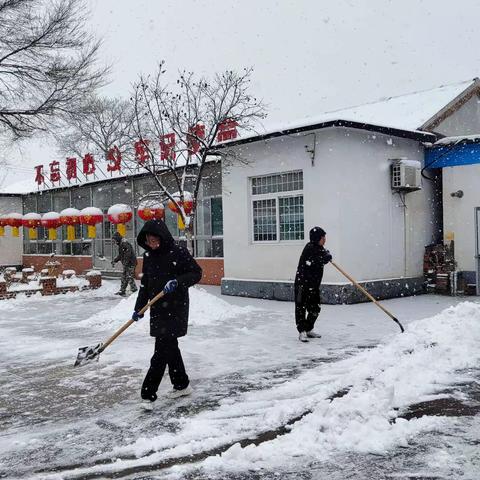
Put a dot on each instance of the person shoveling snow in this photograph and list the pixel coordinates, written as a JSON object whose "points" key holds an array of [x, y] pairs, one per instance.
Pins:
{"points": [[171, 269]]}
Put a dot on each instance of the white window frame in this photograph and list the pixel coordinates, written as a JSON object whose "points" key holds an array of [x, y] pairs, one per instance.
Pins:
{"points": [[274, 196]]}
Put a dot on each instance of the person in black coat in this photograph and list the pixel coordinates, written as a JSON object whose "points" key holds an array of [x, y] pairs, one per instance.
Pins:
{"points": [[307, 283], [170, 268]]}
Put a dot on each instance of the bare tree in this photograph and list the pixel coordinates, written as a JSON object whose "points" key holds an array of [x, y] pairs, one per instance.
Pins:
{"points": [[179, 129], [48, 63], [100, 125]]}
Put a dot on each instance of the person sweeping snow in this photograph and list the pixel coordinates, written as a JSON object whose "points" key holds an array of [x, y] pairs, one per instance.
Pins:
{"points": [[172, 269], [307, 283]]}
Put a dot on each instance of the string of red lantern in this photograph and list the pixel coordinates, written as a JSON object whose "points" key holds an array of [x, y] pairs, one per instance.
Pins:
{"points": [[118, 214]]}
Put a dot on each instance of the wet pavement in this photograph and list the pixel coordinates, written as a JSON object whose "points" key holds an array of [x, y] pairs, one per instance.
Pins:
{"points": [[55, 419]]}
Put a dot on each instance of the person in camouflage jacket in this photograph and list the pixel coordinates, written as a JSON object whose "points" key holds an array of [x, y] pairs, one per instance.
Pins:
{"points": [[126, 255]]}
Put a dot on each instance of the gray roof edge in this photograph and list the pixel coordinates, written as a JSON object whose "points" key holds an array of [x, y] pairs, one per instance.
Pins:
{"points": [[395, 132], [431, 122]]}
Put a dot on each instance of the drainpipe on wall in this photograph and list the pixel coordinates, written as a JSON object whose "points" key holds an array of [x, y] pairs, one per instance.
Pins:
{"points": [[405, 238]]}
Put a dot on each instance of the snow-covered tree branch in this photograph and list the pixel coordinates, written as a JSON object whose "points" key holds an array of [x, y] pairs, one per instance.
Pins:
{"points": [[99, 125], [48, 63], [179, 128]]}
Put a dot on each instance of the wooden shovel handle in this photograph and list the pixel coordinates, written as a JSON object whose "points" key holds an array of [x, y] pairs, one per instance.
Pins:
{"points": [[376, 302], [126, 325]]}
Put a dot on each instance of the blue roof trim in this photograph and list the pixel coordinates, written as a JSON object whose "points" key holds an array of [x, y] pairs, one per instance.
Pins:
{"points": [[452, 156]]}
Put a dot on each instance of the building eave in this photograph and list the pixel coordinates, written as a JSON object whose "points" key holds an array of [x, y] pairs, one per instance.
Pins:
{"points": [[339, 123]]}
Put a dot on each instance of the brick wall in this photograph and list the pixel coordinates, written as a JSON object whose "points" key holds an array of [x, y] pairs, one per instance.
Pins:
{"points": [[212, 267], [67, 262], [212, 270]]}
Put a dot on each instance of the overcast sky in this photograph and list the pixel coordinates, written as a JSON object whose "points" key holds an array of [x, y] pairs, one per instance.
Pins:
{"points": [[309, 56]]}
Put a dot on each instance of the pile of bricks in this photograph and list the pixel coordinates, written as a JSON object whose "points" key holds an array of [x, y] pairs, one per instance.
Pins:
{"points": [[47, 285]]}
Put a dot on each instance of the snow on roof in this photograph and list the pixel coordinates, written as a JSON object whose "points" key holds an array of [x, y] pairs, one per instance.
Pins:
{"points": [[23, 186], [404, 112], [29, 185], [458, 139]]}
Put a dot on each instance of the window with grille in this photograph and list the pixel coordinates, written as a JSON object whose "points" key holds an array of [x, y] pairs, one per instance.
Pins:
{"points": [[277, 207]]}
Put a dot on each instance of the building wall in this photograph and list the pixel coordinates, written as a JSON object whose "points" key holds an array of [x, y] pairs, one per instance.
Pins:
{"points": [[79, 263], [347, 192], [10, 247], [465, 121], [459, 213], [212, 270]]}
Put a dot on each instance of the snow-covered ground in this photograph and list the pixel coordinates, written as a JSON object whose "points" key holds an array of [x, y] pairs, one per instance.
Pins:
{"points": [[363, 402]]}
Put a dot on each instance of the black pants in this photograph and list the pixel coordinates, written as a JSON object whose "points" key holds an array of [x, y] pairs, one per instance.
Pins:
{"points": [[166, 353], [307, 299]]}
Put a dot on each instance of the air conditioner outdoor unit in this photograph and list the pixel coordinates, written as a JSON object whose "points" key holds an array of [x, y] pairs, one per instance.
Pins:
{"points": [[406, 175]]}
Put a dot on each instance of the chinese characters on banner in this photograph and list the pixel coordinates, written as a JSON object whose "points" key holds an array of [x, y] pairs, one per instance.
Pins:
{"points": [[39, 177], [227, 130], [71, 168], [114, 158], [167, 147], [194, 137], [88, 164], [141, 151], [55, 171]]}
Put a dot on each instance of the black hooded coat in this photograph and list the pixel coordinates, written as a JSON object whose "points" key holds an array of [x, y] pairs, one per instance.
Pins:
{"points": [[169, 315], [313, 258]]}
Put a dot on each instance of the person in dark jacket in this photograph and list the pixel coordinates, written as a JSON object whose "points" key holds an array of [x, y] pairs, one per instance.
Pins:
{"points": [[126, 255], [170, 268], [307, 283]]}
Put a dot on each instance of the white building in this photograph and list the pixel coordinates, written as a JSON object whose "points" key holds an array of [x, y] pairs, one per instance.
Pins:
{"points": [[335, 173]]}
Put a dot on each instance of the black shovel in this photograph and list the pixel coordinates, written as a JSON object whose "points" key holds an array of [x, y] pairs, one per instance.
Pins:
{"points": [[88, 354]]}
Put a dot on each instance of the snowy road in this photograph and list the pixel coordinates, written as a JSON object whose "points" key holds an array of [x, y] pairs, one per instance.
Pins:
{"points": [[264, 405]]}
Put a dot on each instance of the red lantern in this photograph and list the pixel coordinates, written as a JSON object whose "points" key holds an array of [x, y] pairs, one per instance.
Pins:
{"points": [[90, 216], [51, 220], [32, 222], [187, 205], [14, 220], [120, 214], [151, 210], [70, 217]]}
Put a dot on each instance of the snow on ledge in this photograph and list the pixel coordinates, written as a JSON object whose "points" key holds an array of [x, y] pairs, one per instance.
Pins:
{"points": [[93, 273]]}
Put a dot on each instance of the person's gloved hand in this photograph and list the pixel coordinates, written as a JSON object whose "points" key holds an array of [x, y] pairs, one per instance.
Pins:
{"points": [[136, 316], [170, 286], [328, 256]]}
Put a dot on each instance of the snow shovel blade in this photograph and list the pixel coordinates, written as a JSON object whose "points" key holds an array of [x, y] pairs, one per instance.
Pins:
{"points": [[88, 354]]}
